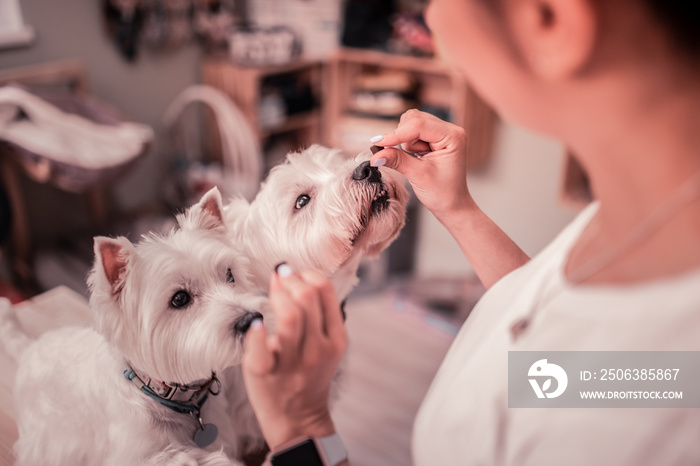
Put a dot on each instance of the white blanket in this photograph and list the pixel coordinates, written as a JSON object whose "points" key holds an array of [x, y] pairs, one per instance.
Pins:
{"points": [[64, 137]]}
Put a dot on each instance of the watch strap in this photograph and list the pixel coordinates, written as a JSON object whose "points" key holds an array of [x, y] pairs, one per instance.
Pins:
{"points": [[328, 451], [333, 449]]}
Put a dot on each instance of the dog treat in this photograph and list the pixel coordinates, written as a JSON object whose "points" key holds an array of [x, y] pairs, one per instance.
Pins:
{"points": [[375, 149]]}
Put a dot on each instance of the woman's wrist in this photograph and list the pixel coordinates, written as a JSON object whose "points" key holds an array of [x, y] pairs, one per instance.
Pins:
{"points": [[288, 430], [459, 211]]}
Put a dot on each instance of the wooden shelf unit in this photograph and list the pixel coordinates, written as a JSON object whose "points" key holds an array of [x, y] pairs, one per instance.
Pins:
{"points": [[439, 85], [244, 86], [309, 121], [332, 84]]}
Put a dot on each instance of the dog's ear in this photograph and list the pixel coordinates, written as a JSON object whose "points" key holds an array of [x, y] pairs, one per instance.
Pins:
{"points": [[211, 204], [207, 214], [112, 256]]}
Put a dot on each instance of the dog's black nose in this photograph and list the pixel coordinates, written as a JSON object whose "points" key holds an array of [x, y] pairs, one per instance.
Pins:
{"points": [[365, 172], [242, 324]]}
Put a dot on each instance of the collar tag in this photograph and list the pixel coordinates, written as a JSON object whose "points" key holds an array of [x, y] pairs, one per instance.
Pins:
{"points": [[205, 434]]}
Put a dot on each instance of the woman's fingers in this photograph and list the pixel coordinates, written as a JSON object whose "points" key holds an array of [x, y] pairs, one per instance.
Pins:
{"points": [[333, 324], [308, 322], [304, 296], [289, 324], [419, 126], [417, 132], [394, 159], [258, 356], [299, 323], [288, 374], [421, 130], [417, 147]]}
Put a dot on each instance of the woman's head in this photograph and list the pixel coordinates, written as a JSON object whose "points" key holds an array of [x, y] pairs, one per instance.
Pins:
{"points": [[536, 60]]}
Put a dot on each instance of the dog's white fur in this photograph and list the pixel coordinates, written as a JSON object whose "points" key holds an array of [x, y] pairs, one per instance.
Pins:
{"points": [[75, 407], [333, 233], [73, 404]]}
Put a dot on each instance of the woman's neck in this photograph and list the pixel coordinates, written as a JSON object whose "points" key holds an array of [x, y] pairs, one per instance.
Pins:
{"points": [[637, 155], [639, 140]]}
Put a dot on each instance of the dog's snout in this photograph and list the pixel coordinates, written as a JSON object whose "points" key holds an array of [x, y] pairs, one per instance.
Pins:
{"points": [[366, 172], [242, 324]]}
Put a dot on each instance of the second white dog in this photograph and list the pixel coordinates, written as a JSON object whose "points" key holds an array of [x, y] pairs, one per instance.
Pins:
{"points": [[139, 388]]}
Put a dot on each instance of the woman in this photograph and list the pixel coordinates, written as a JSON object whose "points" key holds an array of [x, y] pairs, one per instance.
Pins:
{"points": [[618, 82]]}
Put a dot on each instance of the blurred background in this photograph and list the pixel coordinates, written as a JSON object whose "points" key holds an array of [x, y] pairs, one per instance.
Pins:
{"points": [[280, 75], [301, 71]]}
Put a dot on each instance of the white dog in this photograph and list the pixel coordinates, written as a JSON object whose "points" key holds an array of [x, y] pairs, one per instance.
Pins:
{"points": [[322, 210], [139, 388]]}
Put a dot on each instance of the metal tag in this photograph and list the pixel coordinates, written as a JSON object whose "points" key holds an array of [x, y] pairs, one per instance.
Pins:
{"points": [[206, 435]]}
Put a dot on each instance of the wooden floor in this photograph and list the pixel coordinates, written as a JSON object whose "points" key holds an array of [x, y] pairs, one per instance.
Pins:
{"points": [[395, 350]]}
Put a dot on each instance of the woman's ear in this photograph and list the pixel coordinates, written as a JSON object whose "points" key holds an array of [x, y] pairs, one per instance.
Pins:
{"points": [[555, 37]]}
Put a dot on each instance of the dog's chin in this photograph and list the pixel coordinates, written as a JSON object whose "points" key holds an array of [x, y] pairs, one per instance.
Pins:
{"points": [[379, 222], [380, 202]]}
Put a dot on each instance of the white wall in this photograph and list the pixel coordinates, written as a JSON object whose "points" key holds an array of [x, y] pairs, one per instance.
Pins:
{"points": [[519, 190]]}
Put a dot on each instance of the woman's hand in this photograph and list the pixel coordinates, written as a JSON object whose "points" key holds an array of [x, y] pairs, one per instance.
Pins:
{"points": [[288, 375], [439, 178]]}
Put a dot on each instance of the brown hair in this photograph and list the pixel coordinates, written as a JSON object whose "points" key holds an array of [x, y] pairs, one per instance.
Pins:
{"points": [[681, 19]]}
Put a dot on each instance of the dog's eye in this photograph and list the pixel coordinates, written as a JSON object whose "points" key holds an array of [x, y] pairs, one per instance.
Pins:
{"points": [[229, 277], [302, 201], [180, 299]]}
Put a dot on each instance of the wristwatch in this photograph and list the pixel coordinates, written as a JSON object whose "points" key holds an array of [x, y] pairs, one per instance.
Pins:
{"points": [[311, 451]]}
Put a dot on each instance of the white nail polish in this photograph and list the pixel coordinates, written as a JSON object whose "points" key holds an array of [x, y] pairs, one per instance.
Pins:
{"points": [[283, 270], [379, 162], [255, 324], [376, 138]]}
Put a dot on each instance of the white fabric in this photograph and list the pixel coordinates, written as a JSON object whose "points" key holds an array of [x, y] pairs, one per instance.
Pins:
{"points": [[465, 419], [64, 137]]}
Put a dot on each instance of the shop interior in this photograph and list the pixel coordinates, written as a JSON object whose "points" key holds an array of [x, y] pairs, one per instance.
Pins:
{"points": [[216, 93]]}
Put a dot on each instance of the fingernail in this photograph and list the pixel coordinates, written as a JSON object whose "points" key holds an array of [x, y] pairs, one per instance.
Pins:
{"points": [[379, 162], [377, 138], [256, 324], [283, 270]]}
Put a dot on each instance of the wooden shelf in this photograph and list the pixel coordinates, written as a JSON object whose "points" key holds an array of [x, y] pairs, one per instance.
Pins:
{"points": [[243, 85], [392, 60], [292, 67], [439, 85], [332, 84], [293, 123]]}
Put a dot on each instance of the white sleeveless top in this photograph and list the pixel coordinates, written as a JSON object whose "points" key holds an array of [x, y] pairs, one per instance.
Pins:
{"points": [[465, 419]]}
